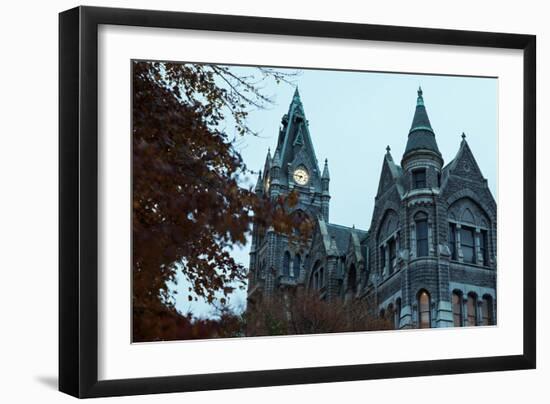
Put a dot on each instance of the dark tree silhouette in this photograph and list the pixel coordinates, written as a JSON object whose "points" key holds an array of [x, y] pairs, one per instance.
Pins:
{"points": [[188, 207]]}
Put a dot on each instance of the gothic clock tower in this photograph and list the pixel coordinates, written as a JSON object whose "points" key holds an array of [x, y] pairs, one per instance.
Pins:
{"points": [[274, 261]]}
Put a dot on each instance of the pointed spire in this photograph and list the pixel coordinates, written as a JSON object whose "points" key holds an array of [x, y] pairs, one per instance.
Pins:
{"points": [[420, 119], [276, 162], [421, 134], [296, 95], [326, 174], [268, 159], [259, 182]]}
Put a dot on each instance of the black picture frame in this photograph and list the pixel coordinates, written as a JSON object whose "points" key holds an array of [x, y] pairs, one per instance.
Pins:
{"points": [[78, 200]]}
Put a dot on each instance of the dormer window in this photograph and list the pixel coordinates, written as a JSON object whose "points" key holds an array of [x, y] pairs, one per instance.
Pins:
{"points": [[419, 178]]}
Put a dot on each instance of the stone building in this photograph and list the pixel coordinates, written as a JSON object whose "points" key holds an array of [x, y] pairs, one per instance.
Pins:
{"points": [[429, 257]]}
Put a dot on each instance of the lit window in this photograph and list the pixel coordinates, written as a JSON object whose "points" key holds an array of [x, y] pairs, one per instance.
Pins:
{"points": [[471, 310], [419, 178], [457, 309], [424, 310]]}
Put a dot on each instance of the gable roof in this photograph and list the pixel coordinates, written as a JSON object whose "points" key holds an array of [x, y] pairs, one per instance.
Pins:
{"points": [[342, 235], [464, 155], [394, 171]]}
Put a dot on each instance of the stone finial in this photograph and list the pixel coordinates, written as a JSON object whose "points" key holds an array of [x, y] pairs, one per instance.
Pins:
{"points": [[420, 99], [388, 149], [259, 182], [463, 136], [326, 174]]}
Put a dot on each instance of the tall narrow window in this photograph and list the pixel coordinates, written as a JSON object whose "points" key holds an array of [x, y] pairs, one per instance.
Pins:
{"points": [[296, 265], [397, 313], [487, 310], [483, 247], [382, 258], [321, 278], [472, 314], [391, 246], [457, 309], [286, 264], [452, 240], [419, 178], [422, 236], [314, 277], [467, 242], [424, 320]]}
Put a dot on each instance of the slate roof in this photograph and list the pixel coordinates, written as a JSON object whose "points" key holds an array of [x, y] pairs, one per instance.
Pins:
{"points": [[421, 134], [341, 235]]}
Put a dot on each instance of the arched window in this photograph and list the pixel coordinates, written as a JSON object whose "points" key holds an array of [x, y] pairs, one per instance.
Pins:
{"points": [[471, 310], [352, 279], [296, 265], [471, 224], [286, 264], [421, 220], [382, 314], [321, 278], [487, 310], [424, 315], [457, 308]]}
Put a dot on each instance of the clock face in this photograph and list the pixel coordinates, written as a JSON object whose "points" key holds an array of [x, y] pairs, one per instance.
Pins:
{"points": [[301, 176]]}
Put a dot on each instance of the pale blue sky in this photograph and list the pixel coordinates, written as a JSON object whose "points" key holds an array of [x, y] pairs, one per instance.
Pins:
{"points": [[353, 116]]}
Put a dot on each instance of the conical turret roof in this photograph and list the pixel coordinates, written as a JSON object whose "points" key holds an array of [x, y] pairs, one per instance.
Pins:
{"points": [[421, 134]]}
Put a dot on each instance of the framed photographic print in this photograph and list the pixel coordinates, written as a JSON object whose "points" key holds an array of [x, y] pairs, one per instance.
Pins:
{"points": [[269, 201]]}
